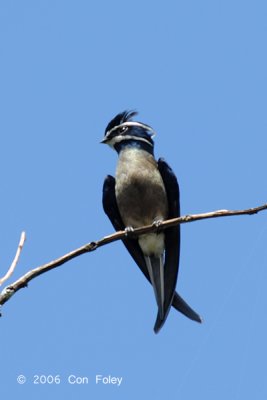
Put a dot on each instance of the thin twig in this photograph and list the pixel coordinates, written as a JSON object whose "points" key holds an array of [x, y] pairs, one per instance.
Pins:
{"points": [[16, 259], [25, 279]]}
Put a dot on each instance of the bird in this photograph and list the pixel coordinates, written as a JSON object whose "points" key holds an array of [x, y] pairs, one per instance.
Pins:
{"points": [[143, 192]]}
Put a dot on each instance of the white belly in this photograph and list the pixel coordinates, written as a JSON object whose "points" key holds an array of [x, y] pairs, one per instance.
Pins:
{"points": [[152, 244]]}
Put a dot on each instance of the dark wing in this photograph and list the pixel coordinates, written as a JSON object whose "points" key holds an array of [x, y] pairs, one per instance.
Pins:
{"points": [[132, 245], [112, 211], [172, 249]]}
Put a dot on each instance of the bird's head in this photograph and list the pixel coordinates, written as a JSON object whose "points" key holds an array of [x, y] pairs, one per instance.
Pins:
{"points": [[122, 131]]}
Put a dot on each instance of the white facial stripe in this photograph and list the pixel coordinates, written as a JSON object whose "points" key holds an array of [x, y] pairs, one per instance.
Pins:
{"points": [[132, 123], [120, 138]]}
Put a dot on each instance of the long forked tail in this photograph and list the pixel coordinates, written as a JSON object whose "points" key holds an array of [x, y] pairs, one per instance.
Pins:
{"points": [[183, 307]]}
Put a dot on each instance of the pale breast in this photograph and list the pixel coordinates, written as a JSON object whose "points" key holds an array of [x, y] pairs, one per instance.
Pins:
{"points": [[140, 191]]}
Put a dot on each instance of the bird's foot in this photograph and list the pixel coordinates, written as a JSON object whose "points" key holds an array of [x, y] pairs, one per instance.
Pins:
{"points": [[129, 231], [157, 223]]}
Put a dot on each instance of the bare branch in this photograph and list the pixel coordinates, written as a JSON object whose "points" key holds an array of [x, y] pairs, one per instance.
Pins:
{"points": [[25, 279], [16, 259]]}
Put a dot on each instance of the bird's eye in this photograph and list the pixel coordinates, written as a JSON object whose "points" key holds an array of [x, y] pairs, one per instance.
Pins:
{"points": [[123, 129]]}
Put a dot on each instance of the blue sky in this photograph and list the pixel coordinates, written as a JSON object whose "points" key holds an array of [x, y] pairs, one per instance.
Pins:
{"points": [[196, 72]]}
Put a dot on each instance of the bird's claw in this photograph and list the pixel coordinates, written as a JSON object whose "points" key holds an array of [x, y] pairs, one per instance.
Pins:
{"points": [[129, 231], [157, 223]]}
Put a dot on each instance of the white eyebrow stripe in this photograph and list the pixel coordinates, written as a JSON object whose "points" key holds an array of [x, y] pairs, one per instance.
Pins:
{"points": [[132, 123], [121, 138]]}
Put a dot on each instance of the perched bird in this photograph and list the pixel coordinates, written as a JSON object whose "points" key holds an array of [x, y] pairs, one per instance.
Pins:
{"points": [[145, 191]]}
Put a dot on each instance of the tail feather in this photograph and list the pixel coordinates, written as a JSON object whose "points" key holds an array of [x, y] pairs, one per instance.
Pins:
{"points": [[183, 307], [156, 272]]}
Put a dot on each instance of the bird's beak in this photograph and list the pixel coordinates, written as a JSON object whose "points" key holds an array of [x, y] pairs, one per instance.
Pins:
{"points": [[104, 140]]}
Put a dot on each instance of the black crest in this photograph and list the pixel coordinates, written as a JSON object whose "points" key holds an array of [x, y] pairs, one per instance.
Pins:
{"points": [[120, 118]]}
